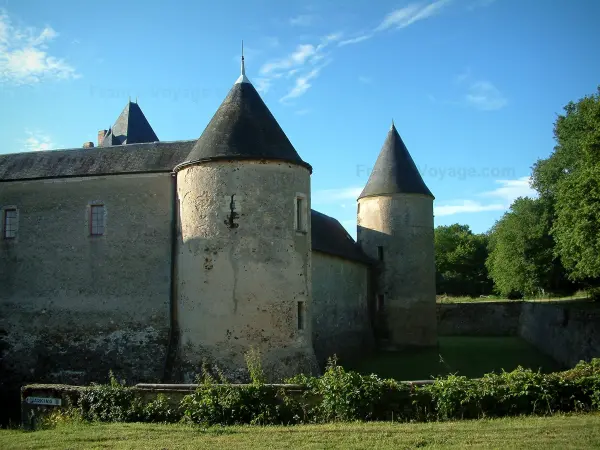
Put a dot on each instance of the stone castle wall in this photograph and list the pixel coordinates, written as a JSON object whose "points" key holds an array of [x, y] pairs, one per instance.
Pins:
{"points": [[340, 311], [402, 225], [74, 306]]}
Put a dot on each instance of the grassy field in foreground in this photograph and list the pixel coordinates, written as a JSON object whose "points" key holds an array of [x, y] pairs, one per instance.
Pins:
{"points": [[468, 356], [577, 431], [579, 300]]}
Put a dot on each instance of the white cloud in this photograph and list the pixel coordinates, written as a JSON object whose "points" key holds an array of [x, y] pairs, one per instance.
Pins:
{"points": [[410, 14], [24, 58], [355, 40], [325, 196], [303, 20], [297, 58], [303, 112], [504, 195], [510, 190], [262, 85], [465, 206], [302, 85], [37, 141], [484, 96]]}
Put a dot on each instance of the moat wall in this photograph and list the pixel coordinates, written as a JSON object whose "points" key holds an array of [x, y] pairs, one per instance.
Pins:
{"points": [[564, 331]]}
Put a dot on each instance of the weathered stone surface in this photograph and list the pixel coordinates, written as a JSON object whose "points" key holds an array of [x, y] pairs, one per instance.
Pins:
{"points": [[74, 306], [341, 323], [402, 225], [243, 268], [567, 334], [479, 319]]}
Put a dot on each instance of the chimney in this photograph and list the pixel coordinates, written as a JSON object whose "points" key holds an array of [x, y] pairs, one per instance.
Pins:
{"points": [[89, 144], [101, 135]]}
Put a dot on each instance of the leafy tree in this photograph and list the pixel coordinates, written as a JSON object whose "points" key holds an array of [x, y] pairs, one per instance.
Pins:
{"points": [[521, 260], [570, 180], [460, 261]]}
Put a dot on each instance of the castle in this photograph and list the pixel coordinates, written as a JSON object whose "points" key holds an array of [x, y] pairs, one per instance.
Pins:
{"points": [[148, 258]]}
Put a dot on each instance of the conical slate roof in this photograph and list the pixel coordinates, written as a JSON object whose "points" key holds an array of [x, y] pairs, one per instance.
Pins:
{"points": [[243, 128], [131, 127], [395, 171]]}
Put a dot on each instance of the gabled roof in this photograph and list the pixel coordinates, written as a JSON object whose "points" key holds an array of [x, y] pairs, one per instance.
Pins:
{"points": [[81, 162], [329, 236], [243, 128], [131, 127], [395, 171]]}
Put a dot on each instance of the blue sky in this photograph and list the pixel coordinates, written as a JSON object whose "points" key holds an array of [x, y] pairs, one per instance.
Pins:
{"points": [[473, 86]]}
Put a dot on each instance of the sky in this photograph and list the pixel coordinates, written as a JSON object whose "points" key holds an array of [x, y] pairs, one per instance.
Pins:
{"points": [[473, 86]]}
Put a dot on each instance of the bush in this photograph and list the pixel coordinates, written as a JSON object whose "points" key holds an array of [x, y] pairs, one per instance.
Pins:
{"points": [[340, 395], [594, 294]]}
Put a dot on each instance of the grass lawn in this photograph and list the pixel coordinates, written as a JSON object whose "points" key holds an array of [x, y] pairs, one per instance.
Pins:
{"points": [[468, 356], [561, 432]]}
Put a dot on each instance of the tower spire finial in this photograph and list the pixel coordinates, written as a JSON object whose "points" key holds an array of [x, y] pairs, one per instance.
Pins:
{"points": [[392, 127], [242, 78]]}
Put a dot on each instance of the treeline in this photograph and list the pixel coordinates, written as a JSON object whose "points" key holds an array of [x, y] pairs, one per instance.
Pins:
{"points": [[543, 246]]}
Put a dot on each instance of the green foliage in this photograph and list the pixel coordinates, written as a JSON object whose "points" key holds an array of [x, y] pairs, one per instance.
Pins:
{"points": [[570, 180], [215, 403], [594, 294], [340, 395], [521, 260], [115, 402], [460, 259]]}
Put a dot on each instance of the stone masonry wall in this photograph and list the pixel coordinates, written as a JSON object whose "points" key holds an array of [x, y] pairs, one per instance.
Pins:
{"points": [[569, 335], [340, 316], [74, 306], [479, 319]]}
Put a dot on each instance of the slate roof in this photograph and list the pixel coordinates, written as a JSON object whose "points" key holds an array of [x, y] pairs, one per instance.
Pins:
{"points": [[131, 127], [243, 128], [329, 236], [132, 158], [395, 171]]}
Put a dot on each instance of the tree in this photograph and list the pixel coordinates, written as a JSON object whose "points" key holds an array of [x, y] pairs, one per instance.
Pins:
{"points": [[570, 180], [460, 261], [522, 260]]}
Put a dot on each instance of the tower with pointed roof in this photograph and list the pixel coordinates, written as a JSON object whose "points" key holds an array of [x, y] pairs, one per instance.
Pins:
{"points": [[244, 251], [395, 227], [131, 127]]}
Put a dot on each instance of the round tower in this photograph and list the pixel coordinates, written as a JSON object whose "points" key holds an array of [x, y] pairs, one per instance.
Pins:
{"points": [[395, 227], [243, 263]]}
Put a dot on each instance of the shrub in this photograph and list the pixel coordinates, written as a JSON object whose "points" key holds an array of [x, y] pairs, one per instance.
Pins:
{"points": [[340, 395], [594, 294]]}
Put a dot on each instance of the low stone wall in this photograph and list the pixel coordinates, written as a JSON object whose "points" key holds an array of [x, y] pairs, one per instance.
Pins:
{"points": [[568, 335], [478, 319], [567, 332]]}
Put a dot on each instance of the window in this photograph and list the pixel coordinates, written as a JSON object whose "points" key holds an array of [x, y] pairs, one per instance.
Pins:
{"points": [[380, 253], [300, 213], [301, 315], [10, 223], [97, 220], [380, 300]]}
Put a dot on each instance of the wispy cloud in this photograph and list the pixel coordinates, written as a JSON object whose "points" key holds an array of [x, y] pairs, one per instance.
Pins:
{"points": [[303, 20], [510, 190], [365, 80], [403, 17], [465, 206], [37, 141], [355, 40], [303, 112], [483, 95], [302, 85], [503, 196], [327, 196], [24, 57]]}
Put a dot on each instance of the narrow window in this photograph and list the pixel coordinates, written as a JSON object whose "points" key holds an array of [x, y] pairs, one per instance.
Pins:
{"points": [[300, 219], [301, 315], [10, 223], [380, 253], [380, 302], [97, 220]]}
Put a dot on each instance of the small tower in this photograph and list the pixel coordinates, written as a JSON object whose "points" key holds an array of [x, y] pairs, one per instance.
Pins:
{"points": [[395, 226], [243, 264]]}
